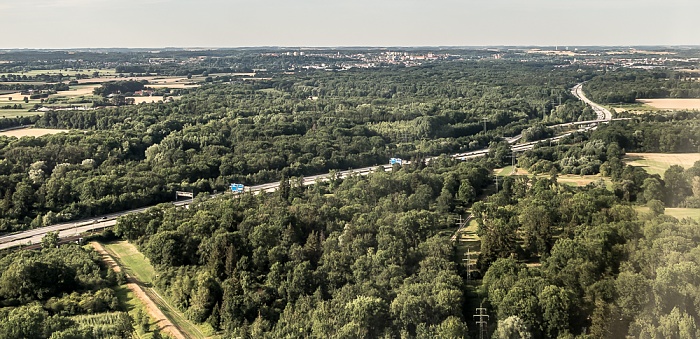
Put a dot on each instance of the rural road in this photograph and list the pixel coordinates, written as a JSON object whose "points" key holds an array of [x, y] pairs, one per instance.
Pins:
{"points": [[77, 227]]}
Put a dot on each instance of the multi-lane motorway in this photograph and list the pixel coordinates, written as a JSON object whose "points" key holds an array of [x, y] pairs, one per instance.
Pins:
{"points": [[602, 112], [75, 228]]}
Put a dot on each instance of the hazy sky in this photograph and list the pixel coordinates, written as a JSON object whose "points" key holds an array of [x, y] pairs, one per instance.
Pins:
{"points": [[233, 23]]}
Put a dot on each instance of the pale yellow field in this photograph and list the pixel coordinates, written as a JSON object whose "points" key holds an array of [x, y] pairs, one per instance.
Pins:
{"points": [[16, 97], [672, 103], [658, 163], [73, 92], [79, 91], [172, 85], [31, 132], [138, 100], [153, 81]]}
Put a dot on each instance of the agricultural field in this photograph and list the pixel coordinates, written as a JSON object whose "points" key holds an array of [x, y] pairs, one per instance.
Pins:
{"points": [[139, 100], [31, 132], [103, 325], [153, 81], [11, 113], [672, 104], [64, 72], [76, 91], [658, 163]]}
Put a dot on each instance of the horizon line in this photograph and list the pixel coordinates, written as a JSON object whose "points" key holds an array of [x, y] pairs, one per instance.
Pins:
{"points": [[350, 46]]}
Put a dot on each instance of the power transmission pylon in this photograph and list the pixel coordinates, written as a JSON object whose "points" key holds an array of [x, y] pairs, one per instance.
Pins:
{"points": [[469, 265], [512, 161], [483, 324], [460, 224]]}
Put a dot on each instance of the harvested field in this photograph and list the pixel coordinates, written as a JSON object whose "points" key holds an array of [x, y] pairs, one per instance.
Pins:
{"points": [[658, 163], [77, 91], [16, 98], [674, 104], [32, 132]]}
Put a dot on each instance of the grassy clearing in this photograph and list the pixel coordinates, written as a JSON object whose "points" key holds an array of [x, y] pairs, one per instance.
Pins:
{"points": [[566, 179], [134, 262], [271, 91], [637, 107], [469, 242], [658, 163], [138, 266], [678, 213]]}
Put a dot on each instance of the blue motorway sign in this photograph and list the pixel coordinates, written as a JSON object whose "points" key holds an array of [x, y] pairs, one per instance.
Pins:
{"points": [[237, 188], [395, 161]]}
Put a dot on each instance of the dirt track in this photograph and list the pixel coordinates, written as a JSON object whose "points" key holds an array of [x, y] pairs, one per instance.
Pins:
{"points": [[134, 285]]}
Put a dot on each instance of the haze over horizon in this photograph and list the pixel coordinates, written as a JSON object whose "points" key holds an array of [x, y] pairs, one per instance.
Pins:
{"points": [[217, 23]]}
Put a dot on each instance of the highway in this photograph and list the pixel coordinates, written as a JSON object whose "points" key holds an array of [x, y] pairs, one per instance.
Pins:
{"points": [[74, 228], [602, 112]]}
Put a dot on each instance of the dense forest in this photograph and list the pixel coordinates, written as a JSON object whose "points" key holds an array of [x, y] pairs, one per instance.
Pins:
{"points": [[134, 156], [627, 85], [361, 257]]}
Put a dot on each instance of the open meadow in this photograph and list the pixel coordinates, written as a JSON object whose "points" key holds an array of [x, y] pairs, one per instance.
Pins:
{"points": [[567, 179], [658, 163], [678, 213]]}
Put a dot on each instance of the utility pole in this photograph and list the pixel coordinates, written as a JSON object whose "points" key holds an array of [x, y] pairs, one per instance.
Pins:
{"points": [[484, 120], [483, 324], [496, 180]]}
